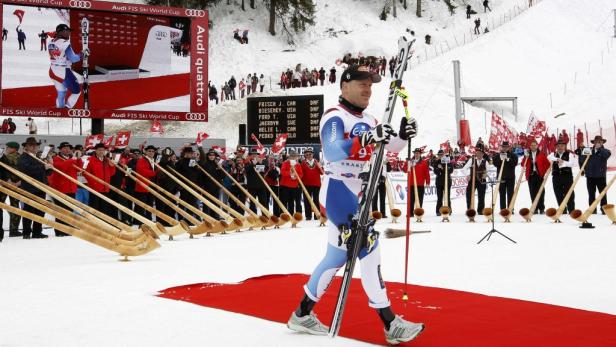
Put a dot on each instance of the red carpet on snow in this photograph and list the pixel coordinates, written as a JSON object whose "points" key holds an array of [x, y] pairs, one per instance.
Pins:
{"points": [[110, 95], [452, 318]]}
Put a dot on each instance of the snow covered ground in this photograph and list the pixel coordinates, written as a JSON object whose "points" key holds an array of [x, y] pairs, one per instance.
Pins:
{"points": [[65, 292]]}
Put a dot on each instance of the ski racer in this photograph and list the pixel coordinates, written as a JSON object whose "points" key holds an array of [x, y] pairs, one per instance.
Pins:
{"points": [[348, 136]]}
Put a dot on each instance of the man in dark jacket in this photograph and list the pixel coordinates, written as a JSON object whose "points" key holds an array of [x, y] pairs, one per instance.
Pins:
{"points": [[167, 161], [10, 158], [255, 185], [507, 185], [37, 171], [440, 170], [186, 166], [596, 170], [232, 85], [209, 163], [562, 174], [322, 75]]}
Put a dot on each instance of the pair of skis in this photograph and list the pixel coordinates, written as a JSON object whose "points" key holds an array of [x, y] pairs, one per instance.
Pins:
{"points": [[361, 221]]}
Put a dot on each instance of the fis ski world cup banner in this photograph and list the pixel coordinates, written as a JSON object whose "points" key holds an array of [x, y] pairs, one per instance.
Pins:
{"points": [[99, 59]]}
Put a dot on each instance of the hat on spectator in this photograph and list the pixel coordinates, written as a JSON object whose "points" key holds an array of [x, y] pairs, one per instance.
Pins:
{"points": [[12, 144]]}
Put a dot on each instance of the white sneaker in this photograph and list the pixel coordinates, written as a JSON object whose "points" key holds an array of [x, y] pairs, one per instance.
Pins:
{"points": [[308, 324], [402, 331]]}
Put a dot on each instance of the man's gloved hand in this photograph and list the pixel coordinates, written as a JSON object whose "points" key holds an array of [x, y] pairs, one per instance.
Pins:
{"points": [[379, 134], [408, 128]]}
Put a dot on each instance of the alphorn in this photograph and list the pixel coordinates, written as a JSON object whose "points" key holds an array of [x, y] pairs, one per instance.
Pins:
{"points": [[487, 212], [297, 217], [265, 220], [200, 227], [555, 214], [122, 208], [234, 224], [314, 208], [125, 251], [609, 212], [507, 212], [284, 218], [471, 212], [445, 210], [67, 216], [418, 211], [526, 213], [214, 200], [395, 212], [583, 217], [124, 231]]}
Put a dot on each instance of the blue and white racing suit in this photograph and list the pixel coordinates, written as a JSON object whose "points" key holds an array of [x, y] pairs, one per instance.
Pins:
{"points": [[344, 160], [61, 57]]}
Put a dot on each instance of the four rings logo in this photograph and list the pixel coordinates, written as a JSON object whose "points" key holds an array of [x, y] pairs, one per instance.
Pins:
{"points": [[196, 116], [78, 112], [80, 3], [195, 13]]}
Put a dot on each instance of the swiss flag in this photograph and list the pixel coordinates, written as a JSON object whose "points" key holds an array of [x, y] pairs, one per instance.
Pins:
{"points": [[93, 140], [445, 146], [280, 143], [200, 137], [20, 15], [157, 127], [221, 151], [108, 142], [121, 140], [260, 147]]}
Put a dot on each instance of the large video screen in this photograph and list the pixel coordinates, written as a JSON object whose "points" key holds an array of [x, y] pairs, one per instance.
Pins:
{"points": [[95, 59]]}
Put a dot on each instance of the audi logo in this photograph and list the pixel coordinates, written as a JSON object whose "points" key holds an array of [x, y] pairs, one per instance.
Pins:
{"points": [[80, 3], [195, 13], [78, 112], [196, 116]]}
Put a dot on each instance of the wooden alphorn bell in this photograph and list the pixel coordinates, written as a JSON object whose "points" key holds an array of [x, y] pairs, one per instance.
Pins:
{"points": [[159, 214], [487, 212], [313, 207], [507, 212], [583, 217], [297, 217], [244, 221], [262, 221], [125, 232], [445, 210], [99, 230], [278, 222], [555, 214], [527, 213], [418, 211], [471, 212], [232, 224], [149, 223], [199, 227], [78, 227], [393, 211]]}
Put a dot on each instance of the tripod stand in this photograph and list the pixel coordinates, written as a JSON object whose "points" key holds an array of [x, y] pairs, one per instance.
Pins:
{"points": [[489, 234]]}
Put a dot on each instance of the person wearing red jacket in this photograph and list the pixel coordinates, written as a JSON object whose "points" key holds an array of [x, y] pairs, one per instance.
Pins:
{"points": [[535, 163], [145, 167], [564, 136], [422, 175], [66, 163], [102, 167], [289, 186], [312, 180], [579, 138]]}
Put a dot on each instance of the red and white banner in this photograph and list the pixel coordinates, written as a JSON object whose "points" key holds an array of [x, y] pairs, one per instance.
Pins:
{"points": [[221, 151], [200, 137], [535, 127], [93, 140], [108, 142], [280, 143], [122, 139], [260, 148], [501, 131], [157, 128]]}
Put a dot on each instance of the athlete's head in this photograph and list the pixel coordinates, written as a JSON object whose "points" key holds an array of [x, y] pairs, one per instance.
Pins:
{"points": [[356, 85], [63, 31]]}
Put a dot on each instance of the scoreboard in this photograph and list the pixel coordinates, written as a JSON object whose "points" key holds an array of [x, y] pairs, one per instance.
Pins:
{"points": [[296, 115]]}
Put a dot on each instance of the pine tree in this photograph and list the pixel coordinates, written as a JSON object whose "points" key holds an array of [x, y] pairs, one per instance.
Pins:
{"points": [[293, 15]]}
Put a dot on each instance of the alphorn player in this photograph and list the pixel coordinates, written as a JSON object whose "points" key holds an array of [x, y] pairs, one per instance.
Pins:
{"points": [[562, 175], [255, 163], [312, 180], [272, 177], [10, 158], [66, 163], [167, 161], [507, 185], [536, 164], [439, 171], [596, 170], [290, 192], [102, 167], [146, 168], [37, 171], [210, 165], [238, 171], [187, 167], [422, 175], [481, 163]]}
